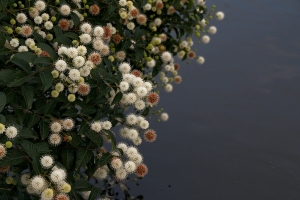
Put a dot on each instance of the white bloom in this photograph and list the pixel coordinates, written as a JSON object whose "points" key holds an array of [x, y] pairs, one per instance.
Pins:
{"points": [[205, 39], [121, 174], [168, 68], [148, 6], [72, 52], [55, 139], [22, 48], [38, 183], [38, 20], [165, 79], [100, 173], [55, 127], [168, 88], [81, 50], [137, 141], [68, 124], [65, 10], [132, 134], [166, 56], [45, 16], [86, 28], [106, 125], [89, 64], [11, 132], [73, 88], [48, 25], [96, 126], [201, 2], [203, 22], [122, 2], [62, 50], [212, 30], [130, 166], [76, 1], [21, 18], [59, 87], [97, 43], [78, 61], [85, 194], [151, 63], [128, 77], [131, 119], [131, 98], [124, 67], [74, 74], [85, 38], [47, 194], [131, 151], [25, 179], [40, 5], [47, 161], [60, 65], [29, 42], [157, 21], [124, 133], [124, 86], [139, 104], [56, 176], [137, 82], [136, 158], [220, 15], [84, 71], [164, 116], [130, 26], [116, 163], [42, 33], [141, 91], [200, 60], [98, 31], [144, 124], [14, 42], [122, 146], [148, 85]]}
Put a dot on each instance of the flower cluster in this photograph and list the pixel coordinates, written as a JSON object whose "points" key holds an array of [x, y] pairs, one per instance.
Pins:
{"points": [[71, 72]]}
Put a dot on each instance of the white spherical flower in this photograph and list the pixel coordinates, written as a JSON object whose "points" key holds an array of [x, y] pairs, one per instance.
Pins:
{"points": [[200, 60], [121, 174], [166, 56], [203, 22], [47, 194], [132, 134], [122, 2], [14, 42], [72, 52], [38, 183], [157, 21], [128, 77], [168, 88], [130, 166], [122, 146], [73, 88], [40, 5], [56, 176], [201, 2], [61, 65], [124, 68], [148, 86], [86, 28], [89, 64], [85, 194], [136, 158], [55, 139], [45, 16], [21, 18], [22, 49], [151, 63], [124, 86], [144, 124], [137, 82], [25, 179], [131, 119], [38, 20], [47, 161], [97, 43], [96, 126], [76, 1], [147, 6], [130, 26], [74, 74], [106, 125], [141, 91], [165, 80], [139, 105], [48, 25], [220, 15], [59, 87], [137, 141], [124, 133], [42, 33], [85, 38], [11, 132], [68, 124], [84, 71], [81, 50], [164, 116], [212, 30], [78, 61], [131, 98], [100, 173], [62, 50], [56, 127], [131, 151], [98, 31], [116, 163], [65, 10], [205, 39]]}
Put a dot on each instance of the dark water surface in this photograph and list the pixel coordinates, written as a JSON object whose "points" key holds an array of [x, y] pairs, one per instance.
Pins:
{"points": [[234, 130]]}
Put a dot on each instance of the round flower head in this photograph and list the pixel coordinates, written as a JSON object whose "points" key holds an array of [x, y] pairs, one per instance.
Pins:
{"points": [[11, 132], [131, 98], [64, 24], [191, 54], [47, 194], [40, 5], [2, 128], [141, 19], [130, 26], [21, 18], [116, 163], [116, 38], [121, 174], [106, 125], [132, 134], [94, 9], [104, 50], [177, 79], [220, 15], [48, 25], [122, 146], [96, 126], [78, 61], [200, 60], [121, 55], [73, 88], [38, 20], [68, 124], [168, 88], [86, 28], [131, 119], [56, 127], [55, 139], [81, 50], [26, 30], [139, 105], [131, 151], [124, 68], [124, 133], [84, 71], [144, 124], [2, 151], [147, 6], [152, 98], [98, 31], [124, 86], [130, 166], [212, 30], [107, 33], [137, 73], [60, 65], [65, 10], [141, 91], [38, 183], [47, 161], [45, 17], [151, 63], [171, 10], [83, 89], [74, 74], [150, 135], [148, 86], [62, 197], [56, 176], [136, 158], [159, 4], [25, 179], [85, 38], [100, 173], [95, 58], [141, 170], [72, 52], [164, 116], [97, 43], [166, 56], [205, 39], [22, 48]]}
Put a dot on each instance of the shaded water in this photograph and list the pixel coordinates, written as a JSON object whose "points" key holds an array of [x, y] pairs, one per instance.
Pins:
{"points": [[234, 130]]}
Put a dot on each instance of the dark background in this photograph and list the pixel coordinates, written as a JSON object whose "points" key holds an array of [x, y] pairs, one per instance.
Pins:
{"points": [[233, 131]]}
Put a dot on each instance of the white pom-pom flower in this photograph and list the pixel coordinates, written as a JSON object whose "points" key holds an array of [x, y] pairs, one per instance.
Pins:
{"points": [[121, 174], [124, 68], [116, 163], [106, 125], [131, 119], [96, 126], [85, 38], [65, 10], [21, 18], [100, 173], [40, 5], [212, 30], [11, 132], [220, 15], [74, 74], [164, 116], [205, 39], [130, 166], [14, 42], [60, 65], [47, 161], [38, 183], [98, 31], [86, 28], [56, 127], [200, 60], [25, 179]]}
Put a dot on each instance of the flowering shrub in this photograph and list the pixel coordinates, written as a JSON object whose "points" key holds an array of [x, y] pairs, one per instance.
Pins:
{"points": [[69, 69]]}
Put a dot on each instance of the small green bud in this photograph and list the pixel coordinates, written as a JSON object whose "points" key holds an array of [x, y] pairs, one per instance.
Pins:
{"points": [[12, 22], [19, 2], [56, 1], [15, 5], [9, 180], [69, 138], [8, 144], [156, 57], [49, 37], [84, 1], [84, 14], [14, 182], [86, 6], [10, 31], [55, 73], [53, 18], [22, 6], [159, 12]]}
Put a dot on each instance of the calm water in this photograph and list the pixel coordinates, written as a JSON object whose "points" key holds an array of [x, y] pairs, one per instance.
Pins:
{"points": [[234, 130]]}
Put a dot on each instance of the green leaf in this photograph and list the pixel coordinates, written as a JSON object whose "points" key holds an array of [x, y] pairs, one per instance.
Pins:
{"points": [[68, 158], [43, 147], [94, 193], [75, 19], [27, 56], [13, 157], [88, 110], [105, 159], [21, 63], [5, 51], [29, 148], [2, 119], [117, 98], [46, 78], [112, 137], [95, 137], [84, 126], [75, 139], [83, 157], [43, 60], [2, 39], [82, 185], [57, 30], [6, 75], [44, 129], [63, 40], [38, 37], [36, 164], [27, 133], [71, 35], [28, 93], [2, 100], [72, 112], [48, 49], [18, 82]]}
